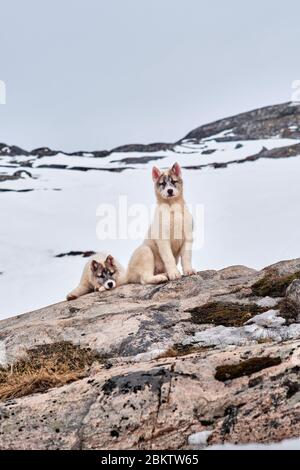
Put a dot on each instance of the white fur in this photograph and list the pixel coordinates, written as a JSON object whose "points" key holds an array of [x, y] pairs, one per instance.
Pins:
{"points": [[170, 237]]}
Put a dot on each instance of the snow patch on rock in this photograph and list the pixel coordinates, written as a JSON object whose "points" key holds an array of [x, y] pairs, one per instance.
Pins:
{"points": [[269, 319], [199, 439], [268, 302], [220, 336]]}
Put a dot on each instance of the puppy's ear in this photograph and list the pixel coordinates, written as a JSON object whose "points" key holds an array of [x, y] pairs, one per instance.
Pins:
{"points": [[110, 262], [94, 265], [155, 174], [176, 169]]}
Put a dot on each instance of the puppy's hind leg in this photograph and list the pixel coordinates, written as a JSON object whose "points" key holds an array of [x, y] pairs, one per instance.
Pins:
{"points": [[148, 267], [78, 292]]}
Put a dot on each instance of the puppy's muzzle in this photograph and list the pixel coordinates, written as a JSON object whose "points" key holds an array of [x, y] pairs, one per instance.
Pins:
{"points": [[109, 284]]}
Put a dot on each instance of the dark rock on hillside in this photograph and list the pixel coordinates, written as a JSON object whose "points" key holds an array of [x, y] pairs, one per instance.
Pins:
{"points": [[282, 120], [154, 147], [16, 175], [11, 150], [44, 151], [84, 254], [136, 160]]}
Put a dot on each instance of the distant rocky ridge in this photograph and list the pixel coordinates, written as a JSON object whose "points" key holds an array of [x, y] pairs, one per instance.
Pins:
{"points": [[277, 126], [282, 121], [214, 356]]}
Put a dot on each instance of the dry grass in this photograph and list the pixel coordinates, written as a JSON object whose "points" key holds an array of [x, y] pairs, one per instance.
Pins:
{"points": [[44, 367], [224, 313], [273, 285], [178, 350], [248, 367]]}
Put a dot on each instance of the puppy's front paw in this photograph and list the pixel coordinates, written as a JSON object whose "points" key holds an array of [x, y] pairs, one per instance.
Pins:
{"points": [[100, 289], [162, 278], [173, 275], [190, 272]]}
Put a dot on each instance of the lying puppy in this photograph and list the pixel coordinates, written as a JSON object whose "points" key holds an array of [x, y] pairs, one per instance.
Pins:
{"points": [[170, 235], [102, 272]]}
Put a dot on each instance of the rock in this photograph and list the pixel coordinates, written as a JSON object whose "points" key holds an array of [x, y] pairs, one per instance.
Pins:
{"points": [[44, 151], [84, 254], [16, 175], [293, 293], [138, 160], [267, 302], [145, 374], [283, 268], [11, 150], [271, 121], [235, 272], [269, 319], [154, 147]]}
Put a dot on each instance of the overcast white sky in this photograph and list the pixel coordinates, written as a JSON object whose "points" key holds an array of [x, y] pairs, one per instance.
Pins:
{"points": [[93, 74]]}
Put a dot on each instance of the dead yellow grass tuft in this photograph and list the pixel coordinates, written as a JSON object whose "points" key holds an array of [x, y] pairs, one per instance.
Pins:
{"points": [[44, 367]]}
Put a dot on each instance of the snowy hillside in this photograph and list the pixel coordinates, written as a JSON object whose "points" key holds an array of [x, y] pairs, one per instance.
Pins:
{"points": [[244, 170]]}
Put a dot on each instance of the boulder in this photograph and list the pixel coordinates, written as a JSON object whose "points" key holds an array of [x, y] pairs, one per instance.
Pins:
{"points": [[155, 367]]}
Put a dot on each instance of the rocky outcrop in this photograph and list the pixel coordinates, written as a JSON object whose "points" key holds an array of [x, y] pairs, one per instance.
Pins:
{"points": [[282, 120], [16, 175], [216, 354]]}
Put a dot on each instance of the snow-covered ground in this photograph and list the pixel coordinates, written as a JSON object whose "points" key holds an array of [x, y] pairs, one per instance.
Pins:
{"points": [[287, 444], [250, 213]]}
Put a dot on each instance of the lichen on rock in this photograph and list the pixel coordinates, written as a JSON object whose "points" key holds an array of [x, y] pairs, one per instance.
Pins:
{"points": [[145, 367]]}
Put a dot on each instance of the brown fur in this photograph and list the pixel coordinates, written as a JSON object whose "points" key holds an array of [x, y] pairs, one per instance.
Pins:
{"points": [[90, 280]]}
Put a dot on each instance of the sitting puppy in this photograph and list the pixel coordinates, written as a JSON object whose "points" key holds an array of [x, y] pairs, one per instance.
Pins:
{"points": [[170, 236], [102, 272]]}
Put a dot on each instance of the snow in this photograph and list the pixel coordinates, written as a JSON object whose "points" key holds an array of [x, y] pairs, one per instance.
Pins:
{"points": [[270, 329], [188, 153], [3, 356], [269, 319], [149, 355], [249, 214], [287, 444], [199, 439], [267, 302]]}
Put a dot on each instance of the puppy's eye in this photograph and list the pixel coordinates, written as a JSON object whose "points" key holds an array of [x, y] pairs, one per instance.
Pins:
{"points": [[101, 276], [163, 184], [173, 182]]}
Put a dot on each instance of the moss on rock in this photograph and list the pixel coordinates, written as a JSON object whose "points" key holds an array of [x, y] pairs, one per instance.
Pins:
{"points": [[245, 368], [273, 285], [288, 310], [225, 313]]}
